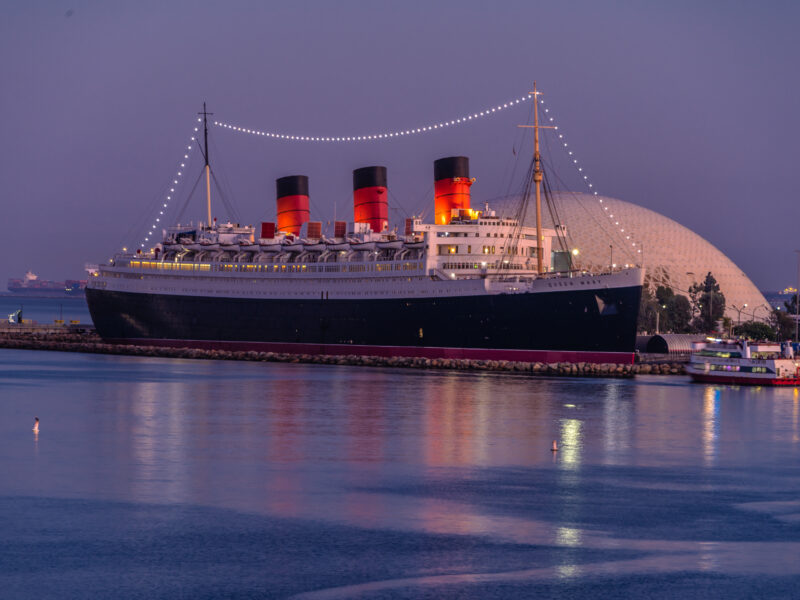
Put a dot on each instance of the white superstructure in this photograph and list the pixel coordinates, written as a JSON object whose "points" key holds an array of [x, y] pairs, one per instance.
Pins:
{"points": [[476, 253]]}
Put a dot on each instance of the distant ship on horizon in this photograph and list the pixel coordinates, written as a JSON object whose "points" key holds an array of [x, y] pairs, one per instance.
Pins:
{"points": [[31, 285]]}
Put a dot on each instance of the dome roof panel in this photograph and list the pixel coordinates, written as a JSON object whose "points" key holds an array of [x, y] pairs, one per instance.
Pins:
{"points": [[672, 254]]}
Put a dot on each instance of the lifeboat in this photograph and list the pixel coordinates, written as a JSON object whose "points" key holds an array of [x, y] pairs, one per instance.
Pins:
{"points": [[390, 244], [271, 246], [248, 246], [338, 246], [293, 246], [314, 246], [360, 246], [414, 245]]}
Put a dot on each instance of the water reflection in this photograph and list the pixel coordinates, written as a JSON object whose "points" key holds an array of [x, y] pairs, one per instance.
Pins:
{"points": [[711, 401], [437, 452], [568, 536], [708, 556], [617, 426], [157, 443], [570, 446]]}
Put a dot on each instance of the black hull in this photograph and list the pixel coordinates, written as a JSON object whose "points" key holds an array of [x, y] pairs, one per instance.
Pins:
{"points": [[590, 325]]}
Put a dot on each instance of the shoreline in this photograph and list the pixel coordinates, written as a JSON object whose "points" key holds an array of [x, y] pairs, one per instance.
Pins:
{"points": [[91, 343]]}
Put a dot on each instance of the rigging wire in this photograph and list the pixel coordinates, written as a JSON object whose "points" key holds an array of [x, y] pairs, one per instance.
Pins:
{"points": [[232, 212], [522, 135], [188, 198], [143, 217], [223, 185], [601, 226]]}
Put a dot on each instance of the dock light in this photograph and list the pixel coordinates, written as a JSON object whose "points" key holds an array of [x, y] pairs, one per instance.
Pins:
{"points": [[575, 252]]}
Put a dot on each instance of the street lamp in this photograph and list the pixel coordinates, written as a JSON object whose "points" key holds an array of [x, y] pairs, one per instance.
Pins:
{"points": [[739, 311], [658, 317], [757, 308]]}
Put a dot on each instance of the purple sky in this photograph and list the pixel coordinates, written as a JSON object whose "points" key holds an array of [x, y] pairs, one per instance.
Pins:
{"points": [[687, 108]]}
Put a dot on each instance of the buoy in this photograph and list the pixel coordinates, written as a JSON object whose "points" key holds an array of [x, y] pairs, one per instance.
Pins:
{"points": [[36, 425], [555, 447]]}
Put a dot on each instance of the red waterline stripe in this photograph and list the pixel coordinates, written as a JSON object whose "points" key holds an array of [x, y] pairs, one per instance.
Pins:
{"points": [[703, 378], [544, 356]]}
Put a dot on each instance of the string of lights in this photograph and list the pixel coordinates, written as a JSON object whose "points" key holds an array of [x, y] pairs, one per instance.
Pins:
{"points": [[380, 135], [175, 181], [614, 220], [394, 134]]}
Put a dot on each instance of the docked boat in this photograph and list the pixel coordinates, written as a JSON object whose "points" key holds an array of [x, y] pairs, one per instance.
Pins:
{"points": [[744, 363], [472, 284]]}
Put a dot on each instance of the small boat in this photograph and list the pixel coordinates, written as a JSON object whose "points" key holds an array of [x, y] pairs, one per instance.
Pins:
{"points": [[360, 246], [295, 246], [390, 244], [314, 246], [744, 363], [338, 246], [270, 246]]}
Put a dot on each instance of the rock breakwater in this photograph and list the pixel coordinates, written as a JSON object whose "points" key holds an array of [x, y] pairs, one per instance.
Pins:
{"points": [[90, 343]]}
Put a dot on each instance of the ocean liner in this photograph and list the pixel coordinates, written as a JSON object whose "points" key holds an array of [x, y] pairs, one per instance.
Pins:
{"points": [[472, 284]]}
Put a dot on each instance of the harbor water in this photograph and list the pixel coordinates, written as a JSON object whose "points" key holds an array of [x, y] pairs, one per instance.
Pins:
{"points": [[45, 311], [166, 478]]}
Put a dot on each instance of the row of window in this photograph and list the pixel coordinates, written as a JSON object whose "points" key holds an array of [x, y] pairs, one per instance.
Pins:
{"points": [[447, 249], [519, 236], [349, 281], [275, 268], [738, 368]]}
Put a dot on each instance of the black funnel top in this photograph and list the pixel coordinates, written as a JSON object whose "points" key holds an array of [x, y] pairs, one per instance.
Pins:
{"points": [[452, 166], [369, 177], [292, 185]]}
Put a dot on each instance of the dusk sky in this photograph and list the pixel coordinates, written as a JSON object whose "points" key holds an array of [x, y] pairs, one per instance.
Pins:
{"points": [[687, 108]]}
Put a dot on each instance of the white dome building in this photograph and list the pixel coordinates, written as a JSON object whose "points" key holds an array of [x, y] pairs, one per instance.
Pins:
{"points": [[607, 229]]}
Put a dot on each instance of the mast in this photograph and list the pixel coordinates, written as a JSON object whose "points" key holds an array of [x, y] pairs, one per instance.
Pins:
{"points": [[208, 166], [537, 176], [537, 179]]}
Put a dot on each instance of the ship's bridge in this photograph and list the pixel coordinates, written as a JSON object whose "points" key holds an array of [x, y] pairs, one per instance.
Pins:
{"points": [[477, 243]]}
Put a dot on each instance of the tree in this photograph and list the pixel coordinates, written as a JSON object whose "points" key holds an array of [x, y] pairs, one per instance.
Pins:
{"points": [[791, 305], [676, 311], [680, 314], [754, 330], [782, 322], [670, 311], [647, 311], [708, 304]]}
